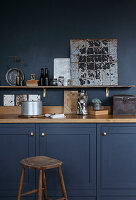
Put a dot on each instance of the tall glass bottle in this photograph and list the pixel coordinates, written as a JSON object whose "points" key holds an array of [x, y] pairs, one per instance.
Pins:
{"points": [[41, 81], [46, 77]]}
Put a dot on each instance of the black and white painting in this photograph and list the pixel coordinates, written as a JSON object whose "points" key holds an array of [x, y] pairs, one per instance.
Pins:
{"points": [[94, 62]]}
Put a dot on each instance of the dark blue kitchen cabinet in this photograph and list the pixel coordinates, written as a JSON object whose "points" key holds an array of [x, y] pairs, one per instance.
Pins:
{"points": [[16, 143], [75, 145], [81, 198], [116, 162]]}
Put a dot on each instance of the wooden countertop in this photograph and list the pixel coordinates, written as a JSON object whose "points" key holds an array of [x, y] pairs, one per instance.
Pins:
{"points": [[14, 118]]}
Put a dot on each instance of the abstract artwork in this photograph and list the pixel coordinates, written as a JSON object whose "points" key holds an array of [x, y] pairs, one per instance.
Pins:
{"points": [[94, 62], [20, 98], [34, 97], [8, 99], [62, 68]]}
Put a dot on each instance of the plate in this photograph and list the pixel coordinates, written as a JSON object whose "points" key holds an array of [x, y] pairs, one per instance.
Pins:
{"points": [[11, 76]]}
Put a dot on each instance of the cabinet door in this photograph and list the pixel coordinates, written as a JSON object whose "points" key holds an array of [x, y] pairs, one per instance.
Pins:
{"points": [[15, 144], [117, 161], [75, 146]]}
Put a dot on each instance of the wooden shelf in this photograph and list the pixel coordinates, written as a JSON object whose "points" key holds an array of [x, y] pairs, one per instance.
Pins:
{"points": [[23, 87], [107, 87], [61, 87]]}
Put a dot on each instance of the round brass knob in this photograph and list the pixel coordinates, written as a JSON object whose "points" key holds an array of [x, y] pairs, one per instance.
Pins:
{"points": [[32, 134], [104, 133], [43, 134]]}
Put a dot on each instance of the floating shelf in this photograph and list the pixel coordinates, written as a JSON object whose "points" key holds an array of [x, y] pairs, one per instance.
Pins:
{"points": [[67, 87], [55, 87], [19, 87]]}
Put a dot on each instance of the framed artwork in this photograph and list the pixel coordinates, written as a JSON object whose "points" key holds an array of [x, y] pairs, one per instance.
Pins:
{"points": [[94, 62], [34, 97], [62, 68], [20, 98], [8, 100]]}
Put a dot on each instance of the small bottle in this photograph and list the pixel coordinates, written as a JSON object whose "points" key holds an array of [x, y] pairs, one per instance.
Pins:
{"points": [[18, 79], [46, 77], [41, 81]]}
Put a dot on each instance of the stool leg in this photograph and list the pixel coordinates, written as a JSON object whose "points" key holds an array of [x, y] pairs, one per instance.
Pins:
{"points": [[21, 184], [62, 183], [44, 186], [40, 186]]}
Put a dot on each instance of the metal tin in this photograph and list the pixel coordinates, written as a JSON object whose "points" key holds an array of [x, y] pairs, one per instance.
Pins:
{"points": [[31, 108], [124, 105]]}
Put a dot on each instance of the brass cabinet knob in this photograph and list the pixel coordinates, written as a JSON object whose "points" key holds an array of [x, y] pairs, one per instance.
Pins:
{"points": [[43, 134], [31, 134], [104, 133]]}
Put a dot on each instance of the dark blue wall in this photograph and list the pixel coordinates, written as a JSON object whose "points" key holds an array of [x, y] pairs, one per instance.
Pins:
{"points": [[39, 31]]}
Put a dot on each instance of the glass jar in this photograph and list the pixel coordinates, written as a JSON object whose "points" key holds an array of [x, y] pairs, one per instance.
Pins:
{"points": [[61, 81], [54, 82]]}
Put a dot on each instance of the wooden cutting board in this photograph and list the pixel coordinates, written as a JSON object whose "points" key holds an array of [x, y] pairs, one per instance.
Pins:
{"points": [[70, 102]]}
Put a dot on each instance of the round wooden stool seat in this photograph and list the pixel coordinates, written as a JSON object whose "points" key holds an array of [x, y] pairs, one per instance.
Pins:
{"points": [[40, 162]]}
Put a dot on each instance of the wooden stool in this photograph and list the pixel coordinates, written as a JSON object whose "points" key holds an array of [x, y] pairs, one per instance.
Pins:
{"points": [[41, 163]]}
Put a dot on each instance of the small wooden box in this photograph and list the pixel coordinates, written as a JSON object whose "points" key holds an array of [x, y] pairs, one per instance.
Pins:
{"points": [[99, 112], [32, 83]]}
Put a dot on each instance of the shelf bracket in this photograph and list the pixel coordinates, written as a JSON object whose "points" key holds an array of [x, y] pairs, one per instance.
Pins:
{"points": [[107, 92], [44, 92]]}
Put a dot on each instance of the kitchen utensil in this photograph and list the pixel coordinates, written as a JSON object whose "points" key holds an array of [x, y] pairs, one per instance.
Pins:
{"points": [[31, 108], [11, 76]]}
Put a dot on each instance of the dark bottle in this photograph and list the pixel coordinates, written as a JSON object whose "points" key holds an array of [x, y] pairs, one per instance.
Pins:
{"points": [[41, 81], [46, 77]]}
